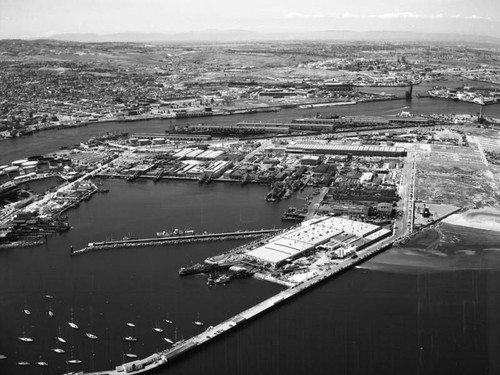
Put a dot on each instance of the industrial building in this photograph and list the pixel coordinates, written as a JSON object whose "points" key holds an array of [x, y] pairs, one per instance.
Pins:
{"points": [[343, 149], [352, 235]]}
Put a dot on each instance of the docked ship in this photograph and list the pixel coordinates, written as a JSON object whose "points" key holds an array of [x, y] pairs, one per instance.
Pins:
{"points": [[175, 233], [223, 279], [192, 269]]}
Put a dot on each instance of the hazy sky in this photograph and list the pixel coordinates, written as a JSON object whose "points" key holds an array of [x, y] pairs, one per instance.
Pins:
{"points": [[42, 18]]}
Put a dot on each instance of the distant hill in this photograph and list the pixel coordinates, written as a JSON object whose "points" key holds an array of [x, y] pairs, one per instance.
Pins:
{"points": [[244, 35]]}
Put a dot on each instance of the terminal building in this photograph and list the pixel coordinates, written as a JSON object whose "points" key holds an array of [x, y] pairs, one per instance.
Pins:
{"points": [[324, 230]]}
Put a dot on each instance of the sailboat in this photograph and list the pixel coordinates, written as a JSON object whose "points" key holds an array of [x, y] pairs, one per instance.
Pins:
{"points": [[91, 336], [3, 356], [23, 363], [27, 312], [168, 340], [48, 296], [42, 363], [58, 350], [73, 361], [158, 329], [168, 321], [59, 338], [131, 324], [71, 323], [51, 313], [130, 339], [198, 322], [25, 338], [131, 355]]}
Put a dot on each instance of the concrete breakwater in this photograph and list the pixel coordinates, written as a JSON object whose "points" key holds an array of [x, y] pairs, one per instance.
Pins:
{"points": [[173, 240]]}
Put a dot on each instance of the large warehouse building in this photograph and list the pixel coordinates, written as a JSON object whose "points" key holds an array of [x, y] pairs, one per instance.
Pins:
{"points": [[343, 149], [314, 232]]}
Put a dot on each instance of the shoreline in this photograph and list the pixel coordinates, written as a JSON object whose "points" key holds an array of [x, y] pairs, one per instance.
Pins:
{"points": [[480, 218]]}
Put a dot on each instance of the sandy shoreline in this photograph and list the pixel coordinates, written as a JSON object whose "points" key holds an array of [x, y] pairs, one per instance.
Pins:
{"points": [[487, 218]]}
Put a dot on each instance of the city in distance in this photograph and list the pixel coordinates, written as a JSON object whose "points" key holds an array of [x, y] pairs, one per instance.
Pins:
{"points": [[335, 203]]}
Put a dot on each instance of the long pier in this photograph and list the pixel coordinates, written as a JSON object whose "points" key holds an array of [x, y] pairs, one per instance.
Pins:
{"points": [[182, 347], [157, 241]]}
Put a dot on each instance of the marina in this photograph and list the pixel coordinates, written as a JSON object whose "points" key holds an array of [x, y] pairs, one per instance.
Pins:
{"points": [[180, 348]]}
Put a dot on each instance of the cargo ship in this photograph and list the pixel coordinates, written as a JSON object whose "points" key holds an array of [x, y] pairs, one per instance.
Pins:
{"points": [[193, 269], [175, 233]]}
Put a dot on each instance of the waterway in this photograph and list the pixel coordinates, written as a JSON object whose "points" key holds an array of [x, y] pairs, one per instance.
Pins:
{"points": [[52, 140], [430, 307]]}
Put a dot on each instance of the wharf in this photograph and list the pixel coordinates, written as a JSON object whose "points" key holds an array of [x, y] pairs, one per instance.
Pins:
{"points": [[94, 246], [182, 347]]}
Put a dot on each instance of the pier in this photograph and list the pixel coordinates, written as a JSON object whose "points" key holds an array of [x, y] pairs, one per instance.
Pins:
{"points": [[182, 347], [171, 240]]}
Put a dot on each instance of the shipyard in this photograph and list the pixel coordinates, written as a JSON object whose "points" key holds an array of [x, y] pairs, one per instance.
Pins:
{"points": [[245, 206]]}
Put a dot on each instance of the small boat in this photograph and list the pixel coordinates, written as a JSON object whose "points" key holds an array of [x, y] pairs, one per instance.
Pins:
{"points": [[131, 324], [60, 339], [168, 340], [41, 363], [73, 361], [130, 339], [91, 336], [25, 339], [48, 296], [3, 356], [23, 363], [198, 322], [27, 312], [168, 321], [158, 329], [58, 350], [51, 313], [131, 355], [71, 323]]}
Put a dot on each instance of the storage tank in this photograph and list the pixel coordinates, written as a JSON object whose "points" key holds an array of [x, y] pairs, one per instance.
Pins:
{"points": [[12, 171], [30, 166], [18, 163]]}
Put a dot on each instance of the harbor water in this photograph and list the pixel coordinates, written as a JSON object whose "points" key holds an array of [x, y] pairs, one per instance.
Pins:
{"points": [[429, 307], [52, 140]]}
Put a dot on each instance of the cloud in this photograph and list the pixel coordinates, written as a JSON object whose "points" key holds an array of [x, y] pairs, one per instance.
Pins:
{"points": [[293, 15], [410, 15]]}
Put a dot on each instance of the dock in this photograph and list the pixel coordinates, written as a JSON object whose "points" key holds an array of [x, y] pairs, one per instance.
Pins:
{"points": [[182, 347], [171, 240]]}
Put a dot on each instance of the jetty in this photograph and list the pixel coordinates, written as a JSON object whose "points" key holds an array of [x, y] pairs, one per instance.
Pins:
{"points": [[173, 240]]}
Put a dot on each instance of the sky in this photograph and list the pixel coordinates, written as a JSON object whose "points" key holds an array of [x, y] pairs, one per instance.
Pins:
{"points": [[44, 18]]}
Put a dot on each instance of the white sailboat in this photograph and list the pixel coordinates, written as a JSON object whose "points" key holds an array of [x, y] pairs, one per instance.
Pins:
{"points": [[25, 338], [198, 322], [58, 350], [71, 323], [51, 313], [168, 340], [131, 324], [157, 328], [73, 361], [91, 336], [130, 339]]}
